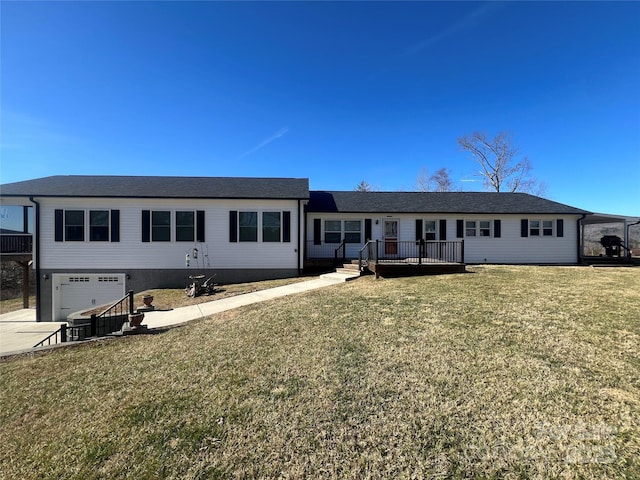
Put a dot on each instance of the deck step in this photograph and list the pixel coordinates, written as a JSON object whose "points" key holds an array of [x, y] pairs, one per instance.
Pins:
{"points": [[350, 266]]}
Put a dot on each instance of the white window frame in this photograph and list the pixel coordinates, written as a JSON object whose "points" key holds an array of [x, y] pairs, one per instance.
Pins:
{"points": [[108, 212], [352, 232], [262, 226], [192, 226], [333, 231], [257, 226], [481, 228], [485, 231], [169, 227], [470, 226], [542, 228], [66, 225], [427, 231]]}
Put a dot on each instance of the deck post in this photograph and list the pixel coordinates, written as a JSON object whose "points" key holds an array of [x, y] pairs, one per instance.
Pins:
{"points": [[462, 251], [63, 333], [130, 293], [25, 283]]}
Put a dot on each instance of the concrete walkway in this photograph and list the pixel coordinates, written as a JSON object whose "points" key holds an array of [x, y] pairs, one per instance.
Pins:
{"points": [[19, 330]]}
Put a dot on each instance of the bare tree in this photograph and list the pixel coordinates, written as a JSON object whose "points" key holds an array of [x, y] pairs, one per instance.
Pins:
{"points": [[363, 186], [440, 181], [500, 167]]}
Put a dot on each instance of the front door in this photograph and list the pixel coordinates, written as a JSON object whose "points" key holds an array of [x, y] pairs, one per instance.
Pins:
{"points": [[391, 237]]}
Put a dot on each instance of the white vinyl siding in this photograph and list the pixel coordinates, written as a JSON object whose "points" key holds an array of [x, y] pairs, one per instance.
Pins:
{"points": [[131, 253], [509, 248]]}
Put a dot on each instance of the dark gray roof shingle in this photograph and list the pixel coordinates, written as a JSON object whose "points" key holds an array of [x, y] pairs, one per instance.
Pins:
{"points": [[435, 202], [159, 187]]}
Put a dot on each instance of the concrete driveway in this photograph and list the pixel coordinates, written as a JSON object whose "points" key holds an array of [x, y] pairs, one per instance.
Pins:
{"points": [[20, 331]]}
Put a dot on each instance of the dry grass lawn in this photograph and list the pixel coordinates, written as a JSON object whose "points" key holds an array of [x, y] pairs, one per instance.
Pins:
{"points": [[506, 372]]}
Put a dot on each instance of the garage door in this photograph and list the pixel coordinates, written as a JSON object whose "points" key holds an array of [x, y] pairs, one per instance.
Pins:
{"points": [[74, 292]]}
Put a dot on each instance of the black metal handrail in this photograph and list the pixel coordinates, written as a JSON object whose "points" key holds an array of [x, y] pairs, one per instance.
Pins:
{"points": [[16, 243], [108, 321], [416, 252], [365, 254], [343, 247]]}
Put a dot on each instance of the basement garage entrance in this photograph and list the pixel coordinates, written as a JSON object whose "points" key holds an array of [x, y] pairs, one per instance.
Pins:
{"points": [[73, 292]]}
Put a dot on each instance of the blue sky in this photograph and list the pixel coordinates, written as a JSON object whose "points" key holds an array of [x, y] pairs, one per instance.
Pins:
{"points": [[338, 92]]}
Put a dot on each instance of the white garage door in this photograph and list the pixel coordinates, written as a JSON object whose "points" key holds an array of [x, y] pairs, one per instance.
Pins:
{"points": [[74, 292]]}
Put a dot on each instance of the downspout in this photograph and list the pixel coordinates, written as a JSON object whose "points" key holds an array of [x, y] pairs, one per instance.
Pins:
{"points": [[580, 237], [299, 225], [302, 235], [36, 243]]}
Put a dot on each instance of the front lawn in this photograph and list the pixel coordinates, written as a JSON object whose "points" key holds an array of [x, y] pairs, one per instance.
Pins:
{"points": [[506, 372]]}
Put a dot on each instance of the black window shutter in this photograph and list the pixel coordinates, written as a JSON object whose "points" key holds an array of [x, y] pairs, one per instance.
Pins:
{"points": [[443, 229], [115, 225], [418, 228], [286, 226], [146, 225], [497, 228], [200, 226], [367, 229], [560, 227], [524, 227], [233, 226], [317, 231], [59, 226], [459, 228]]}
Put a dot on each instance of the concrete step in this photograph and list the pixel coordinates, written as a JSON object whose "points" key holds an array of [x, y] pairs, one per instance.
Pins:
{"points": [[344, 277], [348, 271]]}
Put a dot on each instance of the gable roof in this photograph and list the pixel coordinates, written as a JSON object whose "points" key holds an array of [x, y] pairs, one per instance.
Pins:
{"points": [[435, 202], [159, 187]]}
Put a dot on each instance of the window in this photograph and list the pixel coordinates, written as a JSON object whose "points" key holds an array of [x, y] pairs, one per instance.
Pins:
{"points": [[271, 226], [547, 228], [534, 228], [470, 228], [74, 225], [185, 227], [69, 225], [352, 229], [478, 228], [248, 226], [430, 230], [332, 230], [99, 225], [485, 228], [161, 226]]}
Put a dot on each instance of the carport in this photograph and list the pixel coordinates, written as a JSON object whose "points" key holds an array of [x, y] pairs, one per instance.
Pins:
{"points": [[605, 218]]}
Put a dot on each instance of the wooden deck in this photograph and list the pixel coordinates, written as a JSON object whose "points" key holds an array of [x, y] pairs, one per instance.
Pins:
{"points": [[408, 269]]}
